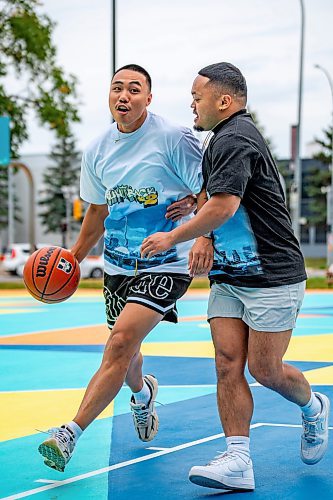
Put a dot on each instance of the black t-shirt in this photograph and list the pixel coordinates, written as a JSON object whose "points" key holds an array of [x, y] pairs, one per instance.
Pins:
{"points": [[257, 246]]}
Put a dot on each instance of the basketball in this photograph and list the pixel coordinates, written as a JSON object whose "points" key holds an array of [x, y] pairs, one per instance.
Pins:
{"points": [[51, 274]]}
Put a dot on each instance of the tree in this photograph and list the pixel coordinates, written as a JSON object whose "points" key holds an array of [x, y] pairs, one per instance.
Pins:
{"points": [[261, 129], [28, 53], [320, 178], [64, 174]]}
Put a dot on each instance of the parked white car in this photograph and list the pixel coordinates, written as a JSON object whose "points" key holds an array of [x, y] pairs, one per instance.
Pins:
{"points": [[92, 266], [17, 255]]}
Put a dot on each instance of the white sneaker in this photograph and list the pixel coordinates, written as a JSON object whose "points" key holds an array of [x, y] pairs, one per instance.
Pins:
{"points": [[314, 439], [226, 472], [145, 417], [57, 450]]}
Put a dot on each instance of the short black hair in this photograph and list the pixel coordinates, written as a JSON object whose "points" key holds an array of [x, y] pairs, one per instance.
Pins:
{"points": [[227, 77], [138, 69]]}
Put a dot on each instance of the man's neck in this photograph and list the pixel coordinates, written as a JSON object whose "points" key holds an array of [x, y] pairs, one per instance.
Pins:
{"points": [[128, 129]]}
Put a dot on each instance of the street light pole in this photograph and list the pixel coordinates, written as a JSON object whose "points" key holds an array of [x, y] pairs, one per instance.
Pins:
{"points": [[330, 190], [297, 195], [68, 194], [113, 41], [113, 37]]}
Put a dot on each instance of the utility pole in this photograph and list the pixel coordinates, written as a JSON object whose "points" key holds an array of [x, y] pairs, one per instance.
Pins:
{"points": [[296, 196], [68, 193], [113, 40], [113, 35]]}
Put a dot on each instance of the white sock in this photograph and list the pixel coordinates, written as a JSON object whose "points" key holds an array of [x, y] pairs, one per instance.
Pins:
{"points": [[239, 445], [312, 408], [76, 429], [143, 396]]}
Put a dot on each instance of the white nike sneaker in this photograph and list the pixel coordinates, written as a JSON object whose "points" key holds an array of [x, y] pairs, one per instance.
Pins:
{"points": [[226, 472], [145, 418], [314, 439], [57, 450]]}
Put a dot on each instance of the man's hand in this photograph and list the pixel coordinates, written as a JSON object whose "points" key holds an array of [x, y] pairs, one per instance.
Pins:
{"points": [[181, 208], [156, 243], [201, 256]]}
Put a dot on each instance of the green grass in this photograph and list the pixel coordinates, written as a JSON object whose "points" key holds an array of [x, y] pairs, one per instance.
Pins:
{"points": [[11, 285], [316, 262], [317, 282], [91, 283], [198, 283]]}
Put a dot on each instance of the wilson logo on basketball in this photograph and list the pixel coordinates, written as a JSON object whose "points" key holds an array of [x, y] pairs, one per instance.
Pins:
{"points": [[64, 266], [43, 262]]}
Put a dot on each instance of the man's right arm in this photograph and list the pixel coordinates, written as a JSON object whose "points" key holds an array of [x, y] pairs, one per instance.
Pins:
{"points": [[91, 230]]}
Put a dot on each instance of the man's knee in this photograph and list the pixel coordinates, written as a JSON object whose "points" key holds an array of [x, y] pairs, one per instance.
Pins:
{"points": [[228, 365], [119, 347]]}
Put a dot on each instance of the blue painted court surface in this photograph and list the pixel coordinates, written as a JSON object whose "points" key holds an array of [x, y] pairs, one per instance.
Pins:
{"points": [[48, 355]]}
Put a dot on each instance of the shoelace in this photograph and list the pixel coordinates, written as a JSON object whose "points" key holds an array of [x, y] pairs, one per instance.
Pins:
{"points": [[310, 430], [62, 434], [141, 415], [222, 457]]}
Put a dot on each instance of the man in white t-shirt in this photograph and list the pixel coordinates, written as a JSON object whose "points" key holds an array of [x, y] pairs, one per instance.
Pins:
{"points": [[131, 176]]}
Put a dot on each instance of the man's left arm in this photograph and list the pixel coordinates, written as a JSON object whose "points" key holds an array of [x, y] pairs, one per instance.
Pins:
{"points": [[218, 210]]}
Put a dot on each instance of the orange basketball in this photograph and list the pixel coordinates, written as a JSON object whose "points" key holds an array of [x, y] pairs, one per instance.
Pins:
{"points": [[51, 274]]}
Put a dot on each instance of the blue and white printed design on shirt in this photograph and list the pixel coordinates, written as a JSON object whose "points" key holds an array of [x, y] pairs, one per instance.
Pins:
{"points": [[235, 248], [124, 236], [139, 175]]}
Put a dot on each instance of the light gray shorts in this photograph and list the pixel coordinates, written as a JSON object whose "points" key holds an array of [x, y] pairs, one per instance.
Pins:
{"points": [[272, 309]]}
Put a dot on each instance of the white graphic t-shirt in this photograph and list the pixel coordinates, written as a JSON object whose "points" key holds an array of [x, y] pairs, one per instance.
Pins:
{"points": [[139, 175]]}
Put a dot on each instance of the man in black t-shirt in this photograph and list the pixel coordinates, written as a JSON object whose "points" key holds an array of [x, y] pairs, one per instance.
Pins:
{"points": [[257, 279]]}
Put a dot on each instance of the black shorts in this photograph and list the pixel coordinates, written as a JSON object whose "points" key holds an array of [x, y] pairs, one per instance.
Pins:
{"points": [[155, 291]]}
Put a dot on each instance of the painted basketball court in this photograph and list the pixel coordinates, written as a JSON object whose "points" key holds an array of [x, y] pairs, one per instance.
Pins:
{"points": [[48, 354]]}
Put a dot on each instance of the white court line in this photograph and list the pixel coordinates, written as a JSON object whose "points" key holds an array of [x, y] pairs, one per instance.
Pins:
{"points": [[51, 481], [284, 425], [120, 465], [156, 448]]}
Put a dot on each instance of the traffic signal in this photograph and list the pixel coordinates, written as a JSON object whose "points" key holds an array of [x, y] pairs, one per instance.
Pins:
{"points": [[77, 209]]}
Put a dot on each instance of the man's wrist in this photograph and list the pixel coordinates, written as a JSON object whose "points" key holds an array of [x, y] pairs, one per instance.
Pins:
{"points": [[208, 235], [173, 236]]}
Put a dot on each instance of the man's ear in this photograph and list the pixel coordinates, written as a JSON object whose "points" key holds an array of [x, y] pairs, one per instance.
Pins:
{"points": [[225, 102], [149, 98]]}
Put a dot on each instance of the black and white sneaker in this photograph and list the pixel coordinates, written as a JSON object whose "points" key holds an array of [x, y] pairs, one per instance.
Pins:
{"points": [[57, 450], [145, 418]]}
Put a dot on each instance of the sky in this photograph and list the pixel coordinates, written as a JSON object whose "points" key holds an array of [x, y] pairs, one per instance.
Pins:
{"points": [[174, 39]]}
